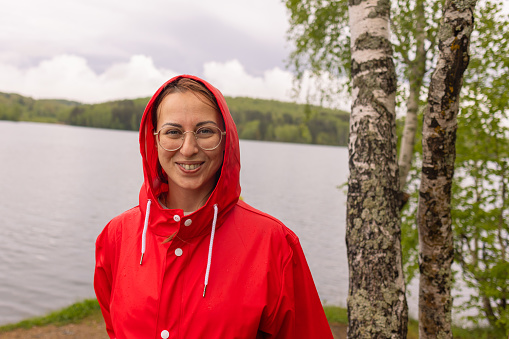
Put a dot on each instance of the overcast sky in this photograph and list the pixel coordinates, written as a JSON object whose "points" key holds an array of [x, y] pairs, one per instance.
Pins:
{"points": [[98, 50]]}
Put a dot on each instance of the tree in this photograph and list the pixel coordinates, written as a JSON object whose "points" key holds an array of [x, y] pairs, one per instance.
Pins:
{"points": [[480, 211], [376, 303], [438, 147], [414, 27], [320, 32]]}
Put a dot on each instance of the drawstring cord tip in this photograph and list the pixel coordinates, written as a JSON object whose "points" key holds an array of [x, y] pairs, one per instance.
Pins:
{"points": [[204, 290], [144, 234]]}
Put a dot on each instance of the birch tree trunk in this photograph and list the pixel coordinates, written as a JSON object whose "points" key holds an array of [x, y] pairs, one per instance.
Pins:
{"points": [[438, 147], [416, 72], [376, 302]]}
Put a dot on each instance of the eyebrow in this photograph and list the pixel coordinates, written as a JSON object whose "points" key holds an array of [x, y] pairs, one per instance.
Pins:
{"points": [[206, 122], [201, 123]]}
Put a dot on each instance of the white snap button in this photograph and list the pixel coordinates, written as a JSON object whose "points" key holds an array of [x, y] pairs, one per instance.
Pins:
{"points": [[165, 334], [178, 252], [176, 217], [188, 222]]}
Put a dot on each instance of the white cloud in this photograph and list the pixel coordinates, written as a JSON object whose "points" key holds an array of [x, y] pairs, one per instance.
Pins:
{"points": [[71, 77], [233, 80]]}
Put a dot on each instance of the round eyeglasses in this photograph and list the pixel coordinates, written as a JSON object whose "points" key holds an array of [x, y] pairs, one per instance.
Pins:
{"points": [[171, 138]]}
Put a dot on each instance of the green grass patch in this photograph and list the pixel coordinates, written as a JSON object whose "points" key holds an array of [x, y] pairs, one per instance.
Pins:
{"points": [[337, 314], [72, 314]]}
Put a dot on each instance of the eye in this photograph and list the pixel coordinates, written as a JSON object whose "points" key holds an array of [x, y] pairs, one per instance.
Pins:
{"points": [[172, 132], [206, 131]]}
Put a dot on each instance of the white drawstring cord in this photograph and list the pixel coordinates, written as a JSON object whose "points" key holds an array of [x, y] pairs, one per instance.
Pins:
{"points": [[145, 226], [211, 243]]}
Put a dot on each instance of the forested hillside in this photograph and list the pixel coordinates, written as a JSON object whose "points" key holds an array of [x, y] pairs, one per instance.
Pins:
{"points": [[256, 119]]}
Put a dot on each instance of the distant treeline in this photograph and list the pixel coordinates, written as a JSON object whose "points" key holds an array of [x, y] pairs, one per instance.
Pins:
{"points": [[256, 119]]}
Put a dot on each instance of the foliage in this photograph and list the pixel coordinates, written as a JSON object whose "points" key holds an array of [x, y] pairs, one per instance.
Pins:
{"points": [[319, 30], [481, 190], [480, 208], [414, 27], [271, 120], [409, 233], [256, 119], [15, 107]]}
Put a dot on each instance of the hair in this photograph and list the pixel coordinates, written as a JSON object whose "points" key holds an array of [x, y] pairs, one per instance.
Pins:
{"points": [[181, 85]]}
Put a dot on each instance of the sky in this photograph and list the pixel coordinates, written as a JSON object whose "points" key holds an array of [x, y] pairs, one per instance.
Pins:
{"points": [[98, 50]]}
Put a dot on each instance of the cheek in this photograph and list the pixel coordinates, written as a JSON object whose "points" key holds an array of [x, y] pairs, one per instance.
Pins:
{"points": [[220, 156], [163, 156]]}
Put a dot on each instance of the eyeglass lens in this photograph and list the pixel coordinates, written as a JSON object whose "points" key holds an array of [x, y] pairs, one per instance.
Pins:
{"points": [[172, 138]]}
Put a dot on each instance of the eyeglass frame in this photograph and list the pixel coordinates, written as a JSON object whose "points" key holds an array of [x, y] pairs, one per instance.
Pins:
{"points": [[221, 134]]}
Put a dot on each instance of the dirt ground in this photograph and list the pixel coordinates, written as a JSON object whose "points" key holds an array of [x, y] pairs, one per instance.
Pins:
{"points": [[93, 328]]}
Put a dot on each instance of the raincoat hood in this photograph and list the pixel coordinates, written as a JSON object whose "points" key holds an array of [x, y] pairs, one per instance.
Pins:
{"points": [[226, 192]]}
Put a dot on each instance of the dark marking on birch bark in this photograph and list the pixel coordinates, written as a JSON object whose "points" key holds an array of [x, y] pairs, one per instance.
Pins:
{"points": [[382, 9], [436, 249], [380, 75], [367, 41], [376, 298], [355, 2]]}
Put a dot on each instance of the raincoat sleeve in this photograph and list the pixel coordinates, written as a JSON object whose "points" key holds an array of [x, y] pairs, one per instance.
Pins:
{"points": [[299, 312], [103, 275]]}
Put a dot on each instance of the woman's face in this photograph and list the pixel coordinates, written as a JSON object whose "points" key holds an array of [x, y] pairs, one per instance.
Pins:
{"points": [[190, 169]]}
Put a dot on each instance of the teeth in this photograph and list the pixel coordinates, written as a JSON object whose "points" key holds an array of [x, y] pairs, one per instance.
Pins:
{"points": [[190, 167]]}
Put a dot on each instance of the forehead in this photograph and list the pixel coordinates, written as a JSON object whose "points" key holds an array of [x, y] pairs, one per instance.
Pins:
{"points": [[187, 108]]}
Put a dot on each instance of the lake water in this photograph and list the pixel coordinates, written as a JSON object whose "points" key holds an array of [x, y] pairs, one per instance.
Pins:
{"points": [[60, 185]]}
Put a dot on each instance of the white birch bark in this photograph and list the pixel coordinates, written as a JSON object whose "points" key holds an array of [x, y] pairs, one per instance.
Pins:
{"points": [[376, 300], [417, 70]]}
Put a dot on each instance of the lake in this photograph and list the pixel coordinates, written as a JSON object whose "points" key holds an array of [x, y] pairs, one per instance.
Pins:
{"points": [[60, 185]]}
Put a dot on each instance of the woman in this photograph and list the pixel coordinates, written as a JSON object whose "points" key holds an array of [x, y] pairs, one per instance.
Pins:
{"points": [[192, 260]]}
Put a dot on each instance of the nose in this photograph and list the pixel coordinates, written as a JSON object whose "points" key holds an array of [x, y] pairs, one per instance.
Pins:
{"points": [[189, 146]]}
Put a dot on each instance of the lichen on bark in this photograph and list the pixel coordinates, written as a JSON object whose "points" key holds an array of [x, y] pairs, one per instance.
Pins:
{"points": [[376, 303], [438, 142]]}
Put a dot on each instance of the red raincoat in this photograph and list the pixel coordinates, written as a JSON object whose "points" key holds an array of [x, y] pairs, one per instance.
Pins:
{"points": [[259, 284]]}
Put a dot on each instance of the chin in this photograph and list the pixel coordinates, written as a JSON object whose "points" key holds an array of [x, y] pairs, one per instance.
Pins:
{"points": [[193, 185]]}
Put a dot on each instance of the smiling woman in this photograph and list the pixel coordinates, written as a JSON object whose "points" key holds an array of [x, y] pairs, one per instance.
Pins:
{"points": [[189, 165], [155, 275]]}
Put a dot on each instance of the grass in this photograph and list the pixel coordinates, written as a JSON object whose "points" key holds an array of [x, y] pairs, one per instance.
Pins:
{"points": [[90, 307], [72, 314], [337, 314]]}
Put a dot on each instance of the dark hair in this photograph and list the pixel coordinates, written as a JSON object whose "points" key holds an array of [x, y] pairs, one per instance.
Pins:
{"points": [[181, 85]]}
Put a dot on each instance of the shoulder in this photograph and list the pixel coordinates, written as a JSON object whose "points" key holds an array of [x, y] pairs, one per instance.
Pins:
{"points": [[120, 224], [127, 217], [255, 221]]}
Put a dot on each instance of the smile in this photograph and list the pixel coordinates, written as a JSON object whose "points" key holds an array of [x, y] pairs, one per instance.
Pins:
{"points": [[189, 167]]}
